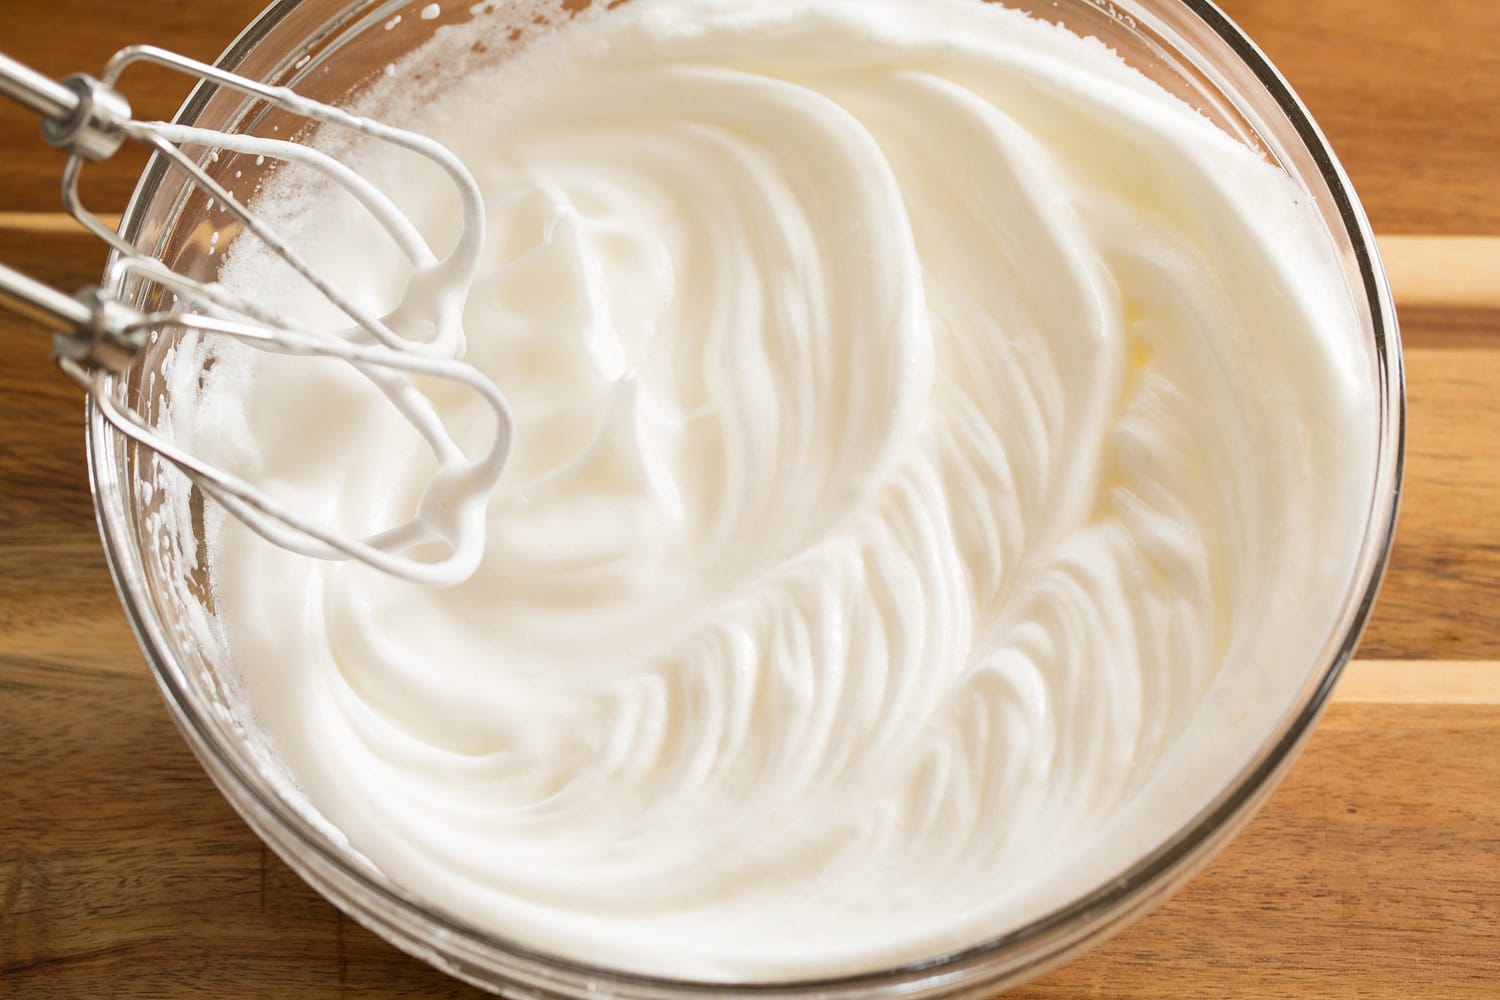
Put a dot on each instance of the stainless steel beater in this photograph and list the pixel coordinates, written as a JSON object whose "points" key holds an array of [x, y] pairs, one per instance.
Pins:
{"points": [[101, 335]]}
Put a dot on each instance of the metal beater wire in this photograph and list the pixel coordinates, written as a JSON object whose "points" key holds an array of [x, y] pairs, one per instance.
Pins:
{"points": [[102, 334]]}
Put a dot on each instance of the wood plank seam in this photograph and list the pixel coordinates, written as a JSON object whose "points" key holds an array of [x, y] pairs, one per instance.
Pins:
{"points": [[48, 222], [1424, 271], [1420, 682]]}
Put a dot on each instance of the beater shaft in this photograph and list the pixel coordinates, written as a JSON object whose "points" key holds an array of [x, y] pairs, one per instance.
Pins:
{"points": [[41, 94], [47, 306], [80, 115]]}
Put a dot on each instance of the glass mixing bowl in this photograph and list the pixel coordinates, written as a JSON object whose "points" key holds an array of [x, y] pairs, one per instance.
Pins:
{"points": [[329, 49]]}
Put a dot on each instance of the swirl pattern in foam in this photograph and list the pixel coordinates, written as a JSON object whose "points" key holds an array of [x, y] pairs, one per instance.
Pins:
{"points": [[935, 457]]}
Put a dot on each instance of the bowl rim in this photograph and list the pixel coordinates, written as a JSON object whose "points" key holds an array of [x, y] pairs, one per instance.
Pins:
{"points": [[1099, 910]]}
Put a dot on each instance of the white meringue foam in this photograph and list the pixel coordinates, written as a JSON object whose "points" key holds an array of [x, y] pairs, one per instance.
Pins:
{"points": [[939, 455]]}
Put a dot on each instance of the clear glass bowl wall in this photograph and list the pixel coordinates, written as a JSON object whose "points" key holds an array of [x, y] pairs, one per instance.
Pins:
{"points": [[328, 49]]}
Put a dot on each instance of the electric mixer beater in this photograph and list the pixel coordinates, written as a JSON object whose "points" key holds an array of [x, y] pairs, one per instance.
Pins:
{"points": [[103, 332]]}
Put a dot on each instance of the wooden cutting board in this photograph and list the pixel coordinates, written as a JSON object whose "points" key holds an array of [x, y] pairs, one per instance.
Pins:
{"points": [[1373, 872]]}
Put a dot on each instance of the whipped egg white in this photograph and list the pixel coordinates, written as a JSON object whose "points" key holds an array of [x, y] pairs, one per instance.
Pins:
{"points": [[939, 454]]}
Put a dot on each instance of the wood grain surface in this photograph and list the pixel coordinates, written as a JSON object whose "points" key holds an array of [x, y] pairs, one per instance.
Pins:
{"points": [[1374, 872]]}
